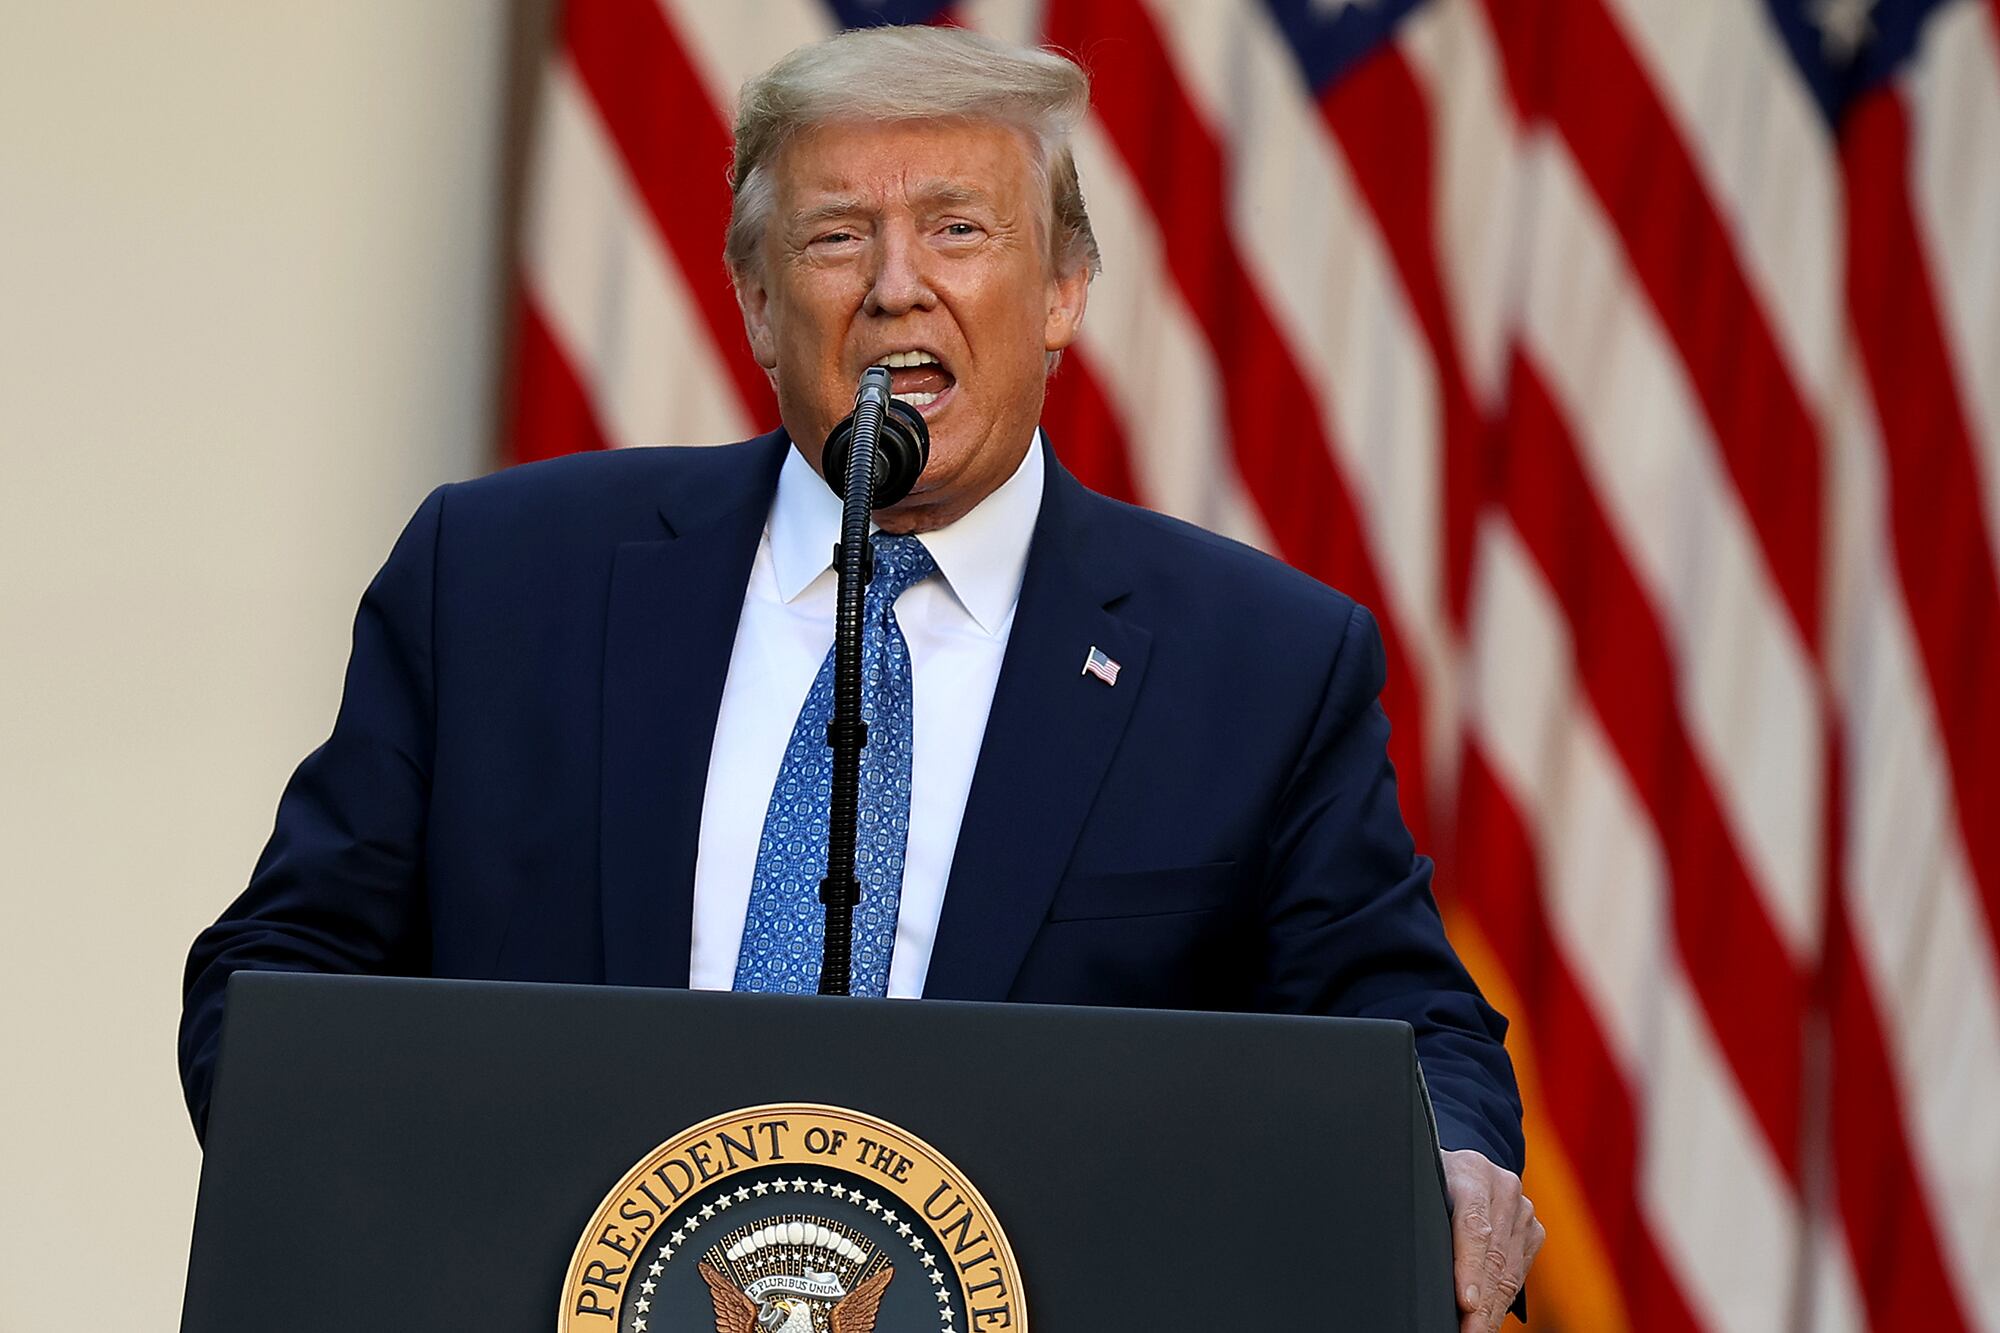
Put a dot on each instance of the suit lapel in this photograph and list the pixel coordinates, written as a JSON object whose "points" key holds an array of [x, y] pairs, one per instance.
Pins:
{"points": [[1049, 739], [669, 630]]}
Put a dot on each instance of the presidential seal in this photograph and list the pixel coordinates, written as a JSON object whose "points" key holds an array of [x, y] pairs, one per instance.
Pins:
{"points": [[792, 1219]]}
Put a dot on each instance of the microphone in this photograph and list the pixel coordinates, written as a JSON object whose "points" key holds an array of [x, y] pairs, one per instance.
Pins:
{"points": [[902, 441], [871, 460]]}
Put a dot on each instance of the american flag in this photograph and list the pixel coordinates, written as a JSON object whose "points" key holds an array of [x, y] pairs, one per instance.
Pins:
{"points": [[1638, 363]]}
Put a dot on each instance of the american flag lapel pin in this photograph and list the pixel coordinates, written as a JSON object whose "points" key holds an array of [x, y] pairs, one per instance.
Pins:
{"points": [[1100, 666]]}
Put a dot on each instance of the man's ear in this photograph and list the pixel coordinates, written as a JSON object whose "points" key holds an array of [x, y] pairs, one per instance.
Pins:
{"points": [[1068, 294], [753, 298]]}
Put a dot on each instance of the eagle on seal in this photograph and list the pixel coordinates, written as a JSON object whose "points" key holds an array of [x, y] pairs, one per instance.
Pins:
{"points": [[737, 1313]]}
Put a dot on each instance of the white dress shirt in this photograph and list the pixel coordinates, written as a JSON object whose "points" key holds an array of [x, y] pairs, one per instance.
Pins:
{"points": [[957, 623]]}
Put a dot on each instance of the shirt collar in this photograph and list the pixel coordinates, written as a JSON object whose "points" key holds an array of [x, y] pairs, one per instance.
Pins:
{"points": [[981, 556]]}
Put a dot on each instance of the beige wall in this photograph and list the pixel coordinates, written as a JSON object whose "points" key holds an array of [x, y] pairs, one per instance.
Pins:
{"points": [[247, 318]]}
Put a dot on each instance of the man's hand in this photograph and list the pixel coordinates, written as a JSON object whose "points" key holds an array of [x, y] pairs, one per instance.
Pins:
{"points": [[1494, 1237]]}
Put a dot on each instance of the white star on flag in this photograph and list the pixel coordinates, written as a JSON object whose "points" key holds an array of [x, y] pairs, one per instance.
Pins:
{"points": [[1844, 27]]}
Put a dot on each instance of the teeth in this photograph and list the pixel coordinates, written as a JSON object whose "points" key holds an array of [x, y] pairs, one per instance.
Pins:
{"points": [[895, 360], [916, 399]]}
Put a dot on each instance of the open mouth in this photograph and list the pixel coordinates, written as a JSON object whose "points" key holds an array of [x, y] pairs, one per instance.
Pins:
{"points": [[917, 378]]}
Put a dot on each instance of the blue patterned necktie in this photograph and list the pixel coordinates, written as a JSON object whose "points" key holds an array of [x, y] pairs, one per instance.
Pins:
{"points": [[785, 927]]}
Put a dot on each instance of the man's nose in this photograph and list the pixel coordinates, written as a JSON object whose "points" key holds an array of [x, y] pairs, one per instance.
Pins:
{"points": [[901, 280]]}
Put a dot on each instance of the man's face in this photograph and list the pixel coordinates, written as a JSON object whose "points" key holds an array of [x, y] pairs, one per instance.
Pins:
{"points": [[891, 239]]}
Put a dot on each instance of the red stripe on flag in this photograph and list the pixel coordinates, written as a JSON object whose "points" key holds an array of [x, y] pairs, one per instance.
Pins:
{"points": [[1379, 117], [1085, 431], [1897, 1260], [1567, 62], [549, 412], [1747, 981], [1274, 420], [1588, 1100], [1943, 550], [1898, 1263], [675, 146]]}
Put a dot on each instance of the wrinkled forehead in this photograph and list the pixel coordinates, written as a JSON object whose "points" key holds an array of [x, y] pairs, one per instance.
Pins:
{"points": [[924, 165]]}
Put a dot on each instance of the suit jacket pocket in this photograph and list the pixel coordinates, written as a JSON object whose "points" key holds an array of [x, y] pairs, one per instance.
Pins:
{"points": [[1128, 893]]}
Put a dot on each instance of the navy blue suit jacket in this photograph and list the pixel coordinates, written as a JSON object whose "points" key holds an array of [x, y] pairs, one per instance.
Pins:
{"points": [[513, 786]]}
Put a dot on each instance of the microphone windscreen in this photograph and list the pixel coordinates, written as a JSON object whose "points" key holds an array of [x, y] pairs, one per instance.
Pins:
{"points": [[902, 448]]}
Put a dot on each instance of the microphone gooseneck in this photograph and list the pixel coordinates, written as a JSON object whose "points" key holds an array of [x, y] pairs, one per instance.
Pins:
{"points": [[872, 460]]}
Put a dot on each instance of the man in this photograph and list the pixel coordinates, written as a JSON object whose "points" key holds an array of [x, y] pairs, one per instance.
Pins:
{"points": [[1113, 759]]}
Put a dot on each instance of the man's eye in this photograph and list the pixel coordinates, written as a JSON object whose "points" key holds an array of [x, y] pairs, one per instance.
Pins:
{"points": [[834, 237], [960, 229]]}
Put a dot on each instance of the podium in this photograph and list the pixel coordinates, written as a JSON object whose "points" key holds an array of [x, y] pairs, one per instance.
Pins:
{"points": [[416, 1155]]}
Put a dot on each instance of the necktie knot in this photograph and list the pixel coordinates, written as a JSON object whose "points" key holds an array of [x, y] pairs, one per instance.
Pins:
{"points": [[900, 561]]}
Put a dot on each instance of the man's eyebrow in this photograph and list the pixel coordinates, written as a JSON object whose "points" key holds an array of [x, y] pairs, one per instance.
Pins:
{"points": [[840, 207], [931, 194], [945, 193]]}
